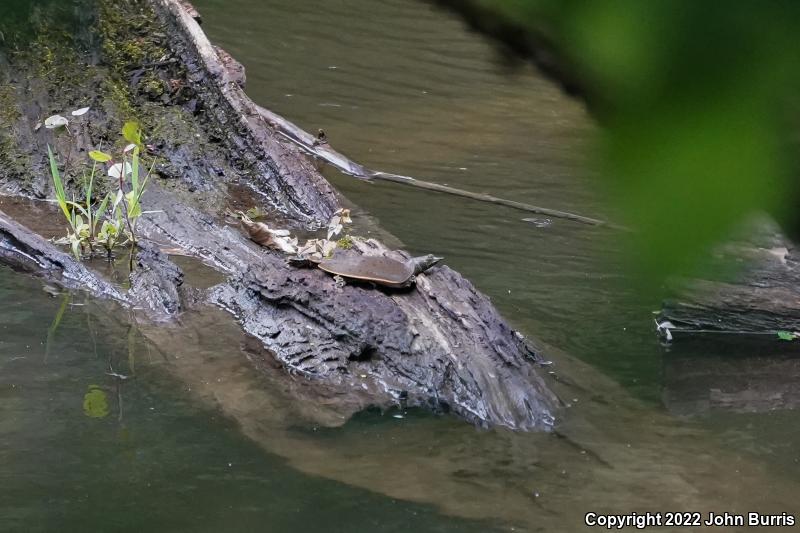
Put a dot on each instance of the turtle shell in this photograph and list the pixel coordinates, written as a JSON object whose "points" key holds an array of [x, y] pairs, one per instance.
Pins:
{"points": [[377, 269]]}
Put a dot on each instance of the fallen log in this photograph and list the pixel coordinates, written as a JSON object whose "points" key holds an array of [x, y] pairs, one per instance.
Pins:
{"points": [[441, 345], [155, 283], [752, 290]]}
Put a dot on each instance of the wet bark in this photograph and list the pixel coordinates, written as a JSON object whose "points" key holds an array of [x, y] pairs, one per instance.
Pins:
{"points": [[440, 345]]}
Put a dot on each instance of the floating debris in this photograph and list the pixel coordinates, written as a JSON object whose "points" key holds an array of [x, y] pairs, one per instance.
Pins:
{"points": [[539, 222], [663, 329], [56, 121]]}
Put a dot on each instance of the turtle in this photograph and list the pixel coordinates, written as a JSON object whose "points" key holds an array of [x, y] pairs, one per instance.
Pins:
{"points": [[376, 269]]}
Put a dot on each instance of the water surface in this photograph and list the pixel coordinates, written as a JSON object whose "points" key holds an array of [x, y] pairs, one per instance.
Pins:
{"points": [[82, 450], [201, 440]]}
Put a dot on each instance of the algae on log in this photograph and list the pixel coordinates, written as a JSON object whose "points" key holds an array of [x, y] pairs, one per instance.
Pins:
{"points": [[441, 345]]}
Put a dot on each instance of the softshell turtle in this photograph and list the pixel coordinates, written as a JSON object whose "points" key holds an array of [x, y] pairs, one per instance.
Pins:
{"points": [[379, 270]]}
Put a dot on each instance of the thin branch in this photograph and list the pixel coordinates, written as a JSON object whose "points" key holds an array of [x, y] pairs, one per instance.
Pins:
{"points": [[322, 150]]}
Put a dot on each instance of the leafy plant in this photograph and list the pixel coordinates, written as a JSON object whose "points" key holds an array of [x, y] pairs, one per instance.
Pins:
{"points": [[110, 233], [130, 201], [82, 219], [109, 228]]}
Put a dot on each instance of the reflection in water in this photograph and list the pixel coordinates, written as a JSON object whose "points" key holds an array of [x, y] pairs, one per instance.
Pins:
{"points": [[95, 402], [177, 451], [173, 462], [51, 331], [611, 452], [746, 375]]}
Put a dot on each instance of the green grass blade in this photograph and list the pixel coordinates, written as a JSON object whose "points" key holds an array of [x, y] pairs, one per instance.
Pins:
{"points": [[58, 185], [90, 186], [135, 170], [102, 209], [85, 212]]}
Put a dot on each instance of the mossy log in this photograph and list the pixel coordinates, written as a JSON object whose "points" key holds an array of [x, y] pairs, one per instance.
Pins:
{"points": [[441, 345]]}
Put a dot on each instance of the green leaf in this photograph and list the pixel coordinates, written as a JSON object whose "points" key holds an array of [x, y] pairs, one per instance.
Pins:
{"points": [[79, 207], [134, 207], [76, 248], [135, 171], [90, 186], [100, 157], [58, 185], [102, 209], [132, 133], [786, 336]]}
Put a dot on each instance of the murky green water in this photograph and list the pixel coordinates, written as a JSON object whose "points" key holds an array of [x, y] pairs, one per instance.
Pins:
{"points": [[81, 450], [200, 441]]}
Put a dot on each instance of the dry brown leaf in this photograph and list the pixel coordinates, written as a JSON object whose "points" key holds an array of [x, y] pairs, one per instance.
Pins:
{"points": [[268, 237]]}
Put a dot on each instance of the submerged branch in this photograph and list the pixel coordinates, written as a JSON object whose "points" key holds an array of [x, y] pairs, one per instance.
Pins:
{"points": [[310, 144]]}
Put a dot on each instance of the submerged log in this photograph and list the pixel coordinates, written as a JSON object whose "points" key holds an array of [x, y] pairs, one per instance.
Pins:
{"points": [[441, 345], [748, 310], [752, 290]]}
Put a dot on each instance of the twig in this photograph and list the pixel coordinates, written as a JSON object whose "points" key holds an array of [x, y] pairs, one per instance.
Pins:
{"points": [[311, 145]]}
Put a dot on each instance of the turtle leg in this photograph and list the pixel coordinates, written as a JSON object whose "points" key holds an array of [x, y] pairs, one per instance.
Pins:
{"points": [[339, 280], [299, 261]]}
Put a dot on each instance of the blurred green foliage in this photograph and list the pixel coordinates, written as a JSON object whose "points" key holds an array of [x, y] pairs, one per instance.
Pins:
{"points": [[698, 103]]}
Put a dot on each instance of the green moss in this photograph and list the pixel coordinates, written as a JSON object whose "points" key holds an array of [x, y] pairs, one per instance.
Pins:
{"points": [[129, 39], [9, 112], [53, 56], [153, 87], [345, 243], [121, 97], [10, 156]]}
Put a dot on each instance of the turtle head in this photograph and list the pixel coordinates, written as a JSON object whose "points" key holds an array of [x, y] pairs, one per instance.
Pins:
{"points": [[424, 262]]}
